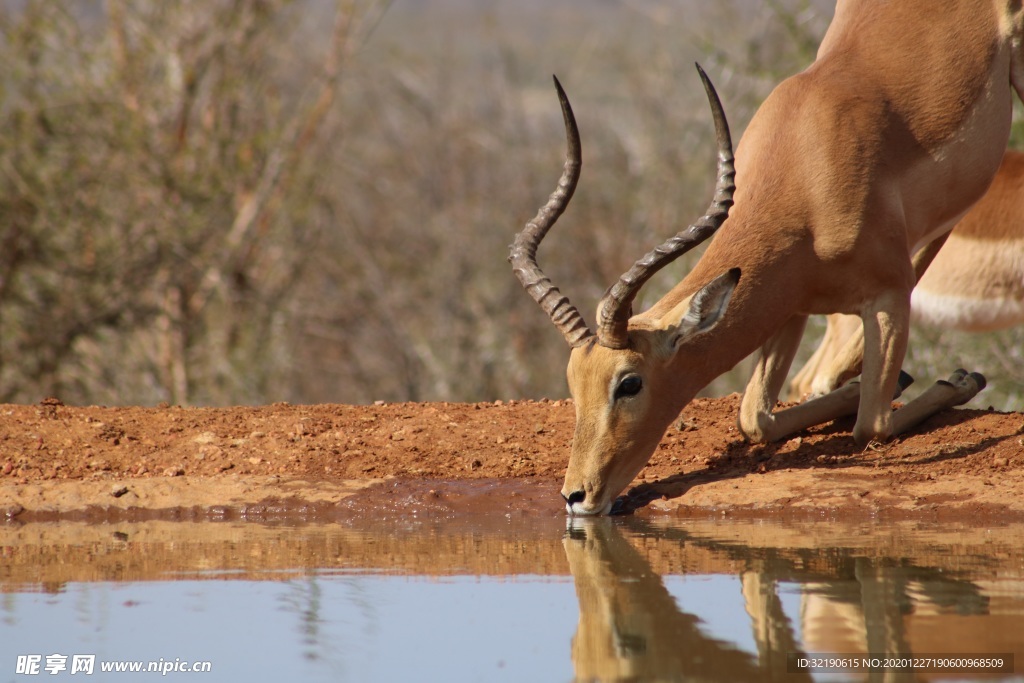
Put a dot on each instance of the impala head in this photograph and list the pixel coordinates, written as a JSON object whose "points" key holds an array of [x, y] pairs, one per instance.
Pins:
{"points": [[618, 376]]}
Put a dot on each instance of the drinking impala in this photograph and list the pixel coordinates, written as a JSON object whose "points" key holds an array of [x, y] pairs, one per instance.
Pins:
{"points": [[846, 171]]}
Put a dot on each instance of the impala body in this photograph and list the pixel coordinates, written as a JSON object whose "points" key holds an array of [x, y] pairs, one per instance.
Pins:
{"points": [[844, 173], [974, 283]]}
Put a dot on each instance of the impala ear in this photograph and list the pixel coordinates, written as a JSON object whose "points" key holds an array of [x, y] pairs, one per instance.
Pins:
{"points": [[706, 307]]}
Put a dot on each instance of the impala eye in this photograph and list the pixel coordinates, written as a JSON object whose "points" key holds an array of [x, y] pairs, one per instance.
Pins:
{"points": [[630, 385]]}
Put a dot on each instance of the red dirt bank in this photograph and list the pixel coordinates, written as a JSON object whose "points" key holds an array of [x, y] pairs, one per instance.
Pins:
{"points": [[57, 459]]}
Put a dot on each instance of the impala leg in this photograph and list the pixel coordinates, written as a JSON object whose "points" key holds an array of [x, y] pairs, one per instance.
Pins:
{"points": [[840, 356], [841, 402], [805, 383], [960, 388], [926, 254], [848, 359], [756, 421], [886, 329], [800, 385], [833, 405]]}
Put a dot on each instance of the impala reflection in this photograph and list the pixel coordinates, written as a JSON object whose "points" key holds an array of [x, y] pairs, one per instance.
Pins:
{"points": [[631, 627]]}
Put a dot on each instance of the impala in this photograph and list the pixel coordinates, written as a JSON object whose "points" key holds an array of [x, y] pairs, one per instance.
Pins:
{"points": [[975, 283], [844, 173]]}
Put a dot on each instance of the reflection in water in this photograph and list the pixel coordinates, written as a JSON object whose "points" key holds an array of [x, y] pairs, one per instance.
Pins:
{"points": [[773, 631], [631, 627], [513, 598]]}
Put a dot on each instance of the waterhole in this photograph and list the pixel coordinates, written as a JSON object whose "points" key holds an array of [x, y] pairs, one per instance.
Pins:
{"points": [[505, 597]]}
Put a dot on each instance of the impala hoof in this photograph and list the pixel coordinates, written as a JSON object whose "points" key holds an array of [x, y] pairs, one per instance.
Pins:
{"points": [[904, 381]]}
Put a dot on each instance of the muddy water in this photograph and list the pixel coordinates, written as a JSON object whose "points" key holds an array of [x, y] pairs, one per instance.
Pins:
{"points": [[500, 596]]}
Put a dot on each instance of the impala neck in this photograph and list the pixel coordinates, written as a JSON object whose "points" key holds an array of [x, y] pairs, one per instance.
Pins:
{"points": [[766, 297]]}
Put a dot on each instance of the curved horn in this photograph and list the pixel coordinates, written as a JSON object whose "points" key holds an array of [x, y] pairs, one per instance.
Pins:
{"points": [[523, 252], [614, 310]]}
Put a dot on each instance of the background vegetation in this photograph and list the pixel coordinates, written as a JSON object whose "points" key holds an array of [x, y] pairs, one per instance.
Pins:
{"points": [[248, 201]]}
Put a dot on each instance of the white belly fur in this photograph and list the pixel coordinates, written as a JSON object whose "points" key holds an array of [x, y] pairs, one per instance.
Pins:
{"points": [[965, 313]]}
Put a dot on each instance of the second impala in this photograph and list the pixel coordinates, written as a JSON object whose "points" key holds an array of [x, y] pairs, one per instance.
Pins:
{"points": [[845, 172]]}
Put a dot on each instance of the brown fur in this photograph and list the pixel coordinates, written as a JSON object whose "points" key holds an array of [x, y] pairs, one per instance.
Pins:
{"points": [[981, 266]]}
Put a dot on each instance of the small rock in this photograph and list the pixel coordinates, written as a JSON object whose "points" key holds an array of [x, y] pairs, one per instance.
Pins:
{"points": [[119, 491], [11, 511], [174, 471], [255, 460], [8, 467], [1000, 462], [684, 425]]}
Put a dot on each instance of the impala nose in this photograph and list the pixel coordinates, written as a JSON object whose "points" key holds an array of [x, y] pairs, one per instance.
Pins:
{"points": [[575, 497]]}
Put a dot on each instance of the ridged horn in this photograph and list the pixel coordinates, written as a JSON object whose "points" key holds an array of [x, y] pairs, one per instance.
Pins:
{"points": [[523, 252], [615, 307]]}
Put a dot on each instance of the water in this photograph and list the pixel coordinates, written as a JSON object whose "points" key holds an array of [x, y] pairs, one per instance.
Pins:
{"points": [[498, 598]]}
